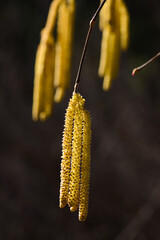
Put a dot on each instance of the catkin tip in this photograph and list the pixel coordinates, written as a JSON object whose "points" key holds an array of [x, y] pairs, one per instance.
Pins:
{"points": [[82, 218], [62, 203], [73, 209], [107, 83]]}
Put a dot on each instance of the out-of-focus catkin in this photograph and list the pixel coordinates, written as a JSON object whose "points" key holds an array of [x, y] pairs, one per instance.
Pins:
{"points": [[75, 164], [114, 24], [60, 45], [43, 79], [124, 25], [64, 48], [44, 68], [53, 58]]}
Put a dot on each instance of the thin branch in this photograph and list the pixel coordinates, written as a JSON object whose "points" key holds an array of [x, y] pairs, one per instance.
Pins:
{"points": [[135, 70], [91, 25]]}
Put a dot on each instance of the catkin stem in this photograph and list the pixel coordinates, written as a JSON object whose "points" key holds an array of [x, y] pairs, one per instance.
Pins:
{"points": [[91, 25]]}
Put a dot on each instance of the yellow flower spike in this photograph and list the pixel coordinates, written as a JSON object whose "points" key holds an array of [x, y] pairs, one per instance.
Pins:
{"points": [[43, 87], [104, 51], [112, 62], [75, 164], [74, 185], [110, 47], [124, 25], [67, 151], [59, 56], [69, 38], [85, 166], [109, 29], [44, 68], [64, 47]]}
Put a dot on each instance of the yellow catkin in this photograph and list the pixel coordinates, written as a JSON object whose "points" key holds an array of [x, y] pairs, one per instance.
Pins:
{"points": [[43, 87], [64, 47], [124, 25], [109, 27], [58, 75], [75, 164], [85, 166], [104, 51], [44, 68], [114, 23], [74, 185], [112, 61], [67, 151], [110, 47], [69, 38], [115, 42]]}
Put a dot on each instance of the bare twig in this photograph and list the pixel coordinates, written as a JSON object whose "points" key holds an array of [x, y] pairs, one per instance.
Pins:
{"points": [[135, 70], [91, 25]]}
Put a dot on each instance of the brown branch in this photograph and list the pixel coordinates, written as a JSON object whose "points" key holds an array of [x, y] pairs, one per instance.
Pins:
{"points": [[91, 25], [135, 70]]}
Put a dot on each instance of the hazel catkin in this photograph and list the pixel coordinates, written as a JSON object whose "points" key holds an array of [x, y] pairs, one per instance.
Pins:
{"points": [[67, 151], [43, 79], [75, 164], [85, 166], [65, 26], [44, 68], [73, 198], [114, 24]]}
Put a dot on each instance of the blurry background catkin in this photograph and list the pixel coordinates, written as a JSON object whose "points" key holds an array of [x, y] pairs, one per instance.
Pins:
{"points": [[53, 59], [125, 132], [114, 22]]}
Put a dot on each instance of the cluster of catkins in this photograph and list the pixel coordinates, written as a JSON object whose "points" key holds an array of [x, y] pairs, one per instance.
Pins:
{"points": [[75, 164], [53, 59], [52, 75], [114, 24]]}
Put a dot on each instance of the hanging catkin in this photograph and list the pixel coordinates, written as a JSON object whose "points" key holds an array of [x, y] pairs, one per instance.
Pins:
{"points": [[74, 185], [44, 68], [75, 164], [59, 77], [67, 151], [43, 87], [64, 48], [53, 59], [114, 24], [113, 50], [124, 25], [85, 166]]}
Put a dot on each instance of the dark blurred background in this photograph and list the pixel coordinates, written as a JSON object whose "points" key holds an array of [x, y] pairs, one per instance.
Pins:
{"points": [[125, 172]]}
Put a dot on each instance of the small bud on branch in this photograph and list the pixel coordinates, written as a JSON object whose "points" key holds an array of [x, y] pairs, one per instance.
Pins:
{"points": [[135, 70]]}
